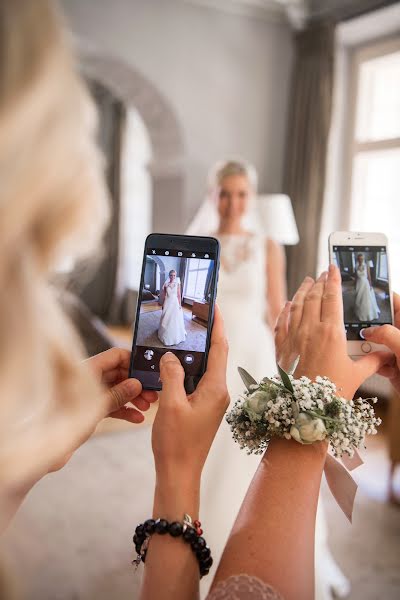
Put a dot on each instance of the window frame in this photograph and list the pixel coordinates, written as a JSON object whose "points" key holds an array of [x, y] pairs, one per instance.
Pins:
{"points": [[188, 270], [359, 55]]}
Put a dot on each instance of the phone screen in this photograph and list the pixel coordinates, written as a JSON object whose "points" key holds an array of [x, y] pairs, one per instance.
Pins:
{"points": [[365, 287], [175, 307]]}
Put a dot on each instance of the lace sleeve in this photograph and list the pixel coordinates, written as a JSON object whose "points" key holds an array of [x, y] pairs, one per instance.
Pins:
{"points": [[243, 587]]}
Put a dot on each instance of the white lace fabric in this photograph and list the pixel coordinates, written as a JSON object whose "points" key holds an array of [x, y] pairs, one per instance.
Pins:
{"points": [[243, 587]]}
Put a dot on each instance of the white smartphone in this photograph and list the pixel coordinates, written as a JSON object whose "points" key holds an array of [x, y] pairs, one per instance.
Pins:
{"points": [[363, 260]]}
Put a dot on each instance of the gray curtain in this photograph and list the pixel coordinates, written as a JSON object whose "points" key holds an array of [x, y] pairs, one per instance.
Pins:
{"points": [[97, 283], [309, 123]]}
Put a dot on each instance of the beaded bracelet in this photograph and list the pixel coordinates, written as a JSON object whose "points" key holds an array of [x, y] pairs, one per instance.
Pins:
{"points": [[190, 531]]}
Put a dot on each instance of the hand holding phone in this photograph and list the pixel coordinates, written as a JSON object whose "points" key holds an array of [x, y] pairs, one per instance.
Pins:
{"points": [[389, 336], [179, 320], [362, 259]]}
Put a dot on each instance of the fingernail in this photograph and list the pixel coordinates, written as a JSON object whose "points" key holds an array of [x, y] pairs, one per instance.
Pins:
{"points": [[132, 384], [323, 276], [287, 304], [308, 279], [331, 268], [367, 331], [169, 356]]}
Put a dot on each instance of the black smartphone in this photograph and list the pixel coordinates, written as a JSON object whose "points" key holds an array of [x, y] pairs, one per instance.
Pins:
{"points": [[175, 308]]}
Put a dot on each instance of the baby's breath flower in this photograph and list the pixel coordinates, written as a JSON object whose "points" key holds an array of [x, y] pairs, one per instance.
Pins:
{"points": [[312, 412]]}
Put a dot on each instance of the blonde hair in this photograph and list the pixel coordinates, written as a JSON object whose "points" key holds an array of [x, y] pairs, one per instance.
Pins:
{"points": [[52, 204], [232, 167]]}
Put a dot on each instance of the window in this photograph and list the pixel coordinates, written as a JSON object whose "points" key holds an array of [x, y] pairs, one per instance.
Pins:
{"points": [[374, 189], [382, 272], [136, 197], [196, 278]]}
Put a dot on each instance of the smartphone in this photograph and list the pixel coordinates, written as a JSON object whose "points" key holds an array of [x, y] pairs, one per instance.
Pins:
{"points": [[363, 260], [175, 308]]}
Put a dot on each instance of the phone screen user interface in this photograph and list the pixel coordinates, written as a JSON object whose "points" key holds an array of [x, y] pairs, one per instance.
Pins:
{"points": [[365, 287], [174, 311]]}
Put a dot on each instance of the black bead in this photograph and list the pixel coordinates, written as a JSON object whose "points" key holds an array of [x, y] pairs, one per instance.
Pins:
{"points": [[149, 525], [204, 553], [204, 572], [161, 526], [199, 543], [207, 562], [139, 530], [175, 529], [138, 548], [189, 535]]}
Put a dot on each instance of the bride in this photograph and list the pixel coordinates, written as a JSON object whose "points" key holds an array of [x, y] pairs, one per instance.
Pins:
{"points": [[365, 306], [171, 331], [251, 293]]}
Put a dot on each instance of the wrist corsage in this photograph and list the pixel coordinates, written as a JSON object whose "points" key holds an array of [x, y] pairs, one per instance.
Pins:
{"points": [[305, 410]]}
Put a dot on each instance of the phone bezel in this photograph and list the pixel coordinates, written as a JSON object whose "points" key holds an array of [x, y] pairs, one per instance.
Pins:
{"points": [[353, 238], [185, 243]]}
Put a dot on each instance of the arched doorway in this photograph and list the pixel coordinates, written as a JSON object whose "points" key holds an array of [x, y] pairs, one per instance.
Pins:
{"points": [[158, 179], [166, 167]]}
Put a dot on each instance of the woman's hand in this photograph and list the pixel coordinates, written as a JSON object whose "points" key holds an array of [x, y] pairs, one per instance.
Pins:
{"points": [[389, 335], [46, 440], [120, 392], [111, 368], [185, 426], [311, 326]]}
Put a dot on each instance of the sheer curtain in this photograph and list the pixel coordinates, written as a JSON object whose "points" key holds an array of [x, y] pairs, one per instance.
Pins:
{"points": [[308, 133]]}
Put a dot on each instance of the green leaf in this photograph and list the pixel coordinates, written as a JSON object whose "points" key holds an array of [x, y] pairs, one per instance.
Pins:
{"points": [[279, 385], [247, 379], [285, 379]]}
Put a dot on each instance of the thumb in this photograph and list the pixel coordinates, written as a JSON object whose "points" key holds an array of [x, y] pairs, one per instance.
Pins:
{"points": [[385, 334], [172, 376], [369, 365], [121, 394]]}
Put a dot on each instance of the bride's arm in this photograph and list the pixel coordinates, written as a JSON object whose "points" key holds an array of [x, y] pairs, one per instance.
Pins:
{"points": [[273, 537], [276, 281]]}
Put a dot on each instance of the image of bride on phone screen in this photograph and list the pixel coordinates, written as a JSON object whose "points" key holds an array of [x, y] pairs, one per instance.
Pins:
{"points": [[171, 330], [365, 305]]}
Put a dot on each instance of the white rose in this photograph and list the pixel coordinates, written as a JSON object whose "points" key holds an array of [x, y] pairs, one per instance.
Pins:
{"points": [[256, 405], [307, 430]]}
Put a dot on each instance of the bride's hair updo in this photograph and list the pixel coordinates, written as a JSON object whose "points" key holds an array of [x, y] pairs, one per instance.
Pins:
{"points": [[172, 271], [233, 167]]}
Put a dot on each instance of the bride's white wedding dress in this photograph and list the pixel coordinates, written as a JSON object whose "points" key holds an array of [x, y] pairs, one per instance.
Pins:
{"points": [[229, 470], [241, 297], [365, 305], [171, 330]]}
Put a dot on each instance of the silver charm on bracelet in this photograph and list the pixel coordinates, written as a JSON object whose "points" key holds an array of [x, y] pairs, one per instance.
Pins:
{"points": [[143, 549]]}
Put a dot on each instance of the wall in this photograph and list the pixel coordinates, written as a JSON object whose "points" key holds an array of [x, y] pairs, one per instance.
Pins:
{"points": [[226, 77]]}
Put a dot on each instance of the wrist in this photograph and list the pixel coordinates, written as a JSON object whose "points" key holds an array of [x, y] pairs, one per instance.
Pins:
{"points": [[343, 389], [315, 452], [175, 496]]}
